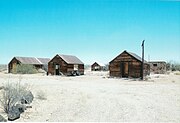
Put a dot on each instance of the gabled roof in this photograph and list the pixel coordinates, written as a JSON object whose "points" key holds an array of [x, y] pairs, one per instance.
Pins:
{"points": [[44, 60], [33, 60], [136, 56], [133, 55], [100, 64], [70, 59]]}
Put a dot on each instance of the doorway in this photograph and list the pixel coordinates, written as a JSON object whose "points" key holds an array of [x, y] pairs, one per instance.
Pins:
{"points": [[57, 69], [124, 69]]}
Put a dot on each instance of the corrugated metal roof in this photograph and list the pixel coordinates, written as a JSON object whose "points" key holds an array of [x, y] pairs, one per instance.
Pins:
{"points": [[71, 59], [44, 60], [136, 56], [33, 60], [133, 55]]}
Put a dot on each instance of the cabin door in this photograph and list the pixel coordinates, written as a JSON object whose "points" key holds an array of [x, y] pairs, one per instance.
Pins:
{"points": [[57, 69], [124, 69], [14, 66]]}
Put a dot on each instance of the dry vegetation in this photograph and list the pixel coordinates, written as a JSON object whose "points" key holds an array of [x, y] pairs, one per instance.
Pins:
{"points": [[95, 97], [41, 95], [13, 97], [173, 66], [24, 69]]}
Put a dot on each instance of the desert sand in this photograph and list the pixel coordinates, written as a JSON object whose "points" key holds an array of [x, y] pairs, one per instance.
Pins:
{"points": [[95, 97]]}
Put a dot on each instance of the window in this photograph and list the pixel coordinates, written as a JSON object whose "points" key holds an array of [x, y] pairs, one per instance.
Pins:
{"points": [[155, 65], [97, 67], [57, 66], [75, 67]]}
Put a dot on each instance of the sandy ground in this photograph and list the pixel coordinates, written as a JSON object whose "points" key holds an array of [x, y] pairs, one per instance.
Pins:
{"points": [[94, 97]]}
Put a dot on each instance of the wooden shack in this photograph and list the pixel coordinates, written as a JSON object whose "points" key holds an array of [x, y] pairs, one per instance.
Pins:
{"points": [[65, 65], [128, 65], [97, 67], [38, 63], [158, 67]]}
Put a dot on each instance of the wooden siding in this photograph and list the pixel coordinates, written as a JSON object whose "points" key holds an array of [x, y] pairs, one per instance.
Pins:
{"points": [[55, 61], [70, 69], [93, 67], [117, 66], [14, 62], [12, 65], [65, 69]]}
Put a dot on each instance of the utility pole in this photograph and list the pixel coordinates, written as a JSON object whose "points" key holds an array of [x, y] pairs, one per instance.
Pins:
{"points": [[142, 65]]}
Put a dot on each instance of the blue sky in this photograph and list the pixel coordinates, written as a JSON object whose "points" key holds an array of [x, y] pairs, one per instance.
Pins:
{"points": [[93, 30]]}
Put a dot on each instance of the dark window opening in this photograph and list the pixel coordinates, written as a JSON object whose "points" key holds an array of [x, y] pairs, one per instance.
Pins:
{"points": [[155, 65]]}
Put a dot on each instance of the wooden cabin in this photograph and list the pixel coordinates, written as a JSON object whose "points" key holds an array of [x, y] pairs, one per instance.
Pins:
{"points": [[38, 63], [97, 67], [158, 67], [128, 65], [65, 65]]}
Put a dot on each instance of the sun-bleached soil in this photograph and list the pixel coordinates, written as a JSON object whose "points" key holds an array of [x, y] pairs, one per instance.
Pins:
{"points": [[95, 97]]}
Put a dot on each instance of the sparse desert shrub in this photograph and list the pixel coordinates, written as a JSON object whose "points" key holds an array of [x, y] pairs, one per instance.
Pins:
{"points": [[41, 71], [11, 95], [45, 67], [2, 119], [106, 68], [41, 95], [168, 66], [24, 69], [177, 73], [146, 78], [1, 87], [173, 66]]}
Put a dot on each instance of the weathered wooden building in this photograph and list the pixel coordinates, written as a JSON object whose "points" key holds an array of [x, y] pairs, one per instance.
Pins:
{"points": [[158, 67], [65, 65], [128, 65], [36, 62], [97, 67]]}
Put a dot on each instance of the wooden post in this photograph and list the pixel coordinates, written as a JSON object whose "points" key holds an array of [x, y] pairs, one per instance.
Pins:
{"points": [[142, 65]]}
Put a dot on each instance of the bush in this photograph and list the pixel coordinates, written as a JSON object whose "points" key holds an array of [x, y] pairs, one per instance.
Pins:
{"points": [[173, 66], [106, 67], [11, 95], [2, 119], [24, 69], [41, 95]]}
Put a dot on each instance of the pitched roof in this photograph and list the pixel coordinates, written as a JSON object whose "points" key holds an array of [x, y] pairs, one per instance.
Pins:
{"points": [[136, 56], [100, 64], [33, 60], [44, 60], [133, 55], [71, 59]]}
